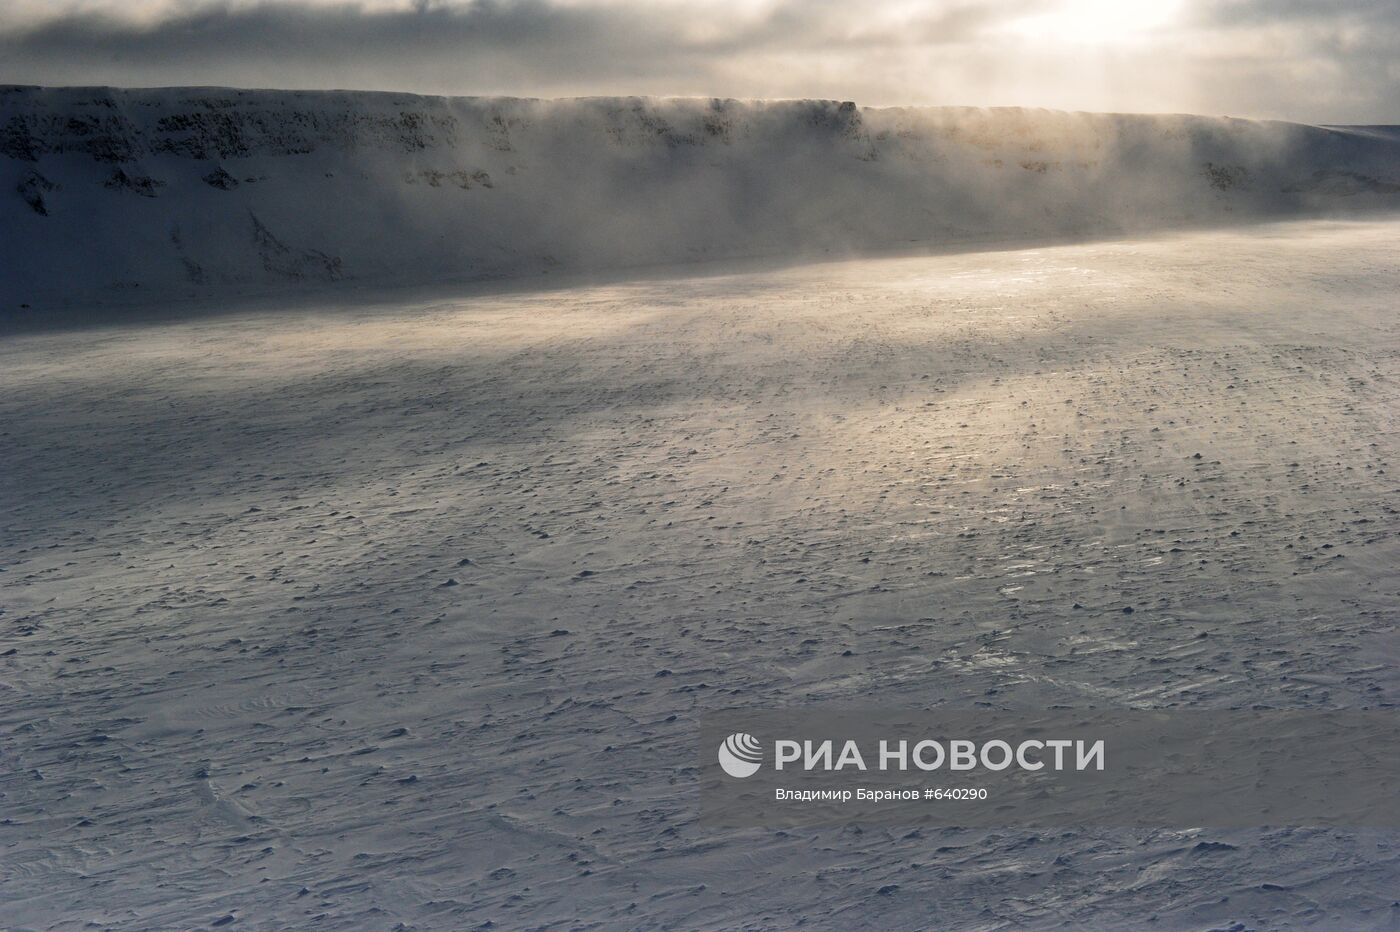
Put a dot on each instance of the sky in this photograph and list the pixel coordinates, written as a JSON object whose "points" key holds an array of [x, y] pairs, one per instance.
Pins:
{"points": [[1322, 61]]}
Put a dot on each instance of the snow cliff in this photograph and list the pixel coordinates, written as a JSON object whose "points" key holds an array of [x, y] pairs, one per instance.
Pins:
{"points": [[114, 194]]}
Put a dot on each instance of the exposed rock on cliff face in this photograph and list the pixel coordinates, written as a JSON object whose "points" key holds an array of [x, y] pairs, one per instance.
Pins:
{"points": [[136, 184], [282, 260], [32, 187], [266, 188], [221, 179]]}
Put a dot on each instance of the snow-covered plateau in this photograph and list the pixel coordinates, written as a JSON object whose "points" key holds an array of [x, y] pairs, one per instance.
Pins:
{"points": [[346, 606]]}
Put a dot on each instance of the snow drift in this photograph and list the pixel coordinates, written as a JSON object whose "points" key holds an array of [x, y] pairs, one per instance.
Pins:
{"points": [[108, 193]]}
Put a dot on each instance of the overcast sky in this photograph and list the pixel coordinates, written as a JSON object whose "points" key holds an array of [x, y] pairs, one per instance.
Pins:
{"points": [[1310, 60]]}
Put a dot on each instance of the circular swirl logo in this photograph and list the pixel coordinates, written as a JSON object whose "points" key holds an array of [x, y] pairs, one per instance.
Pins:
{"points": [[740, 755]]}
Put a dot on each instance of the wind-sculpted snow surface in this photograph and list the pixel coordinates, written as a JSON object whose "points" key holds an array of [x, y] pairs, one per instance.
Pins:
{"points": [[130, 194], [406, 616]]}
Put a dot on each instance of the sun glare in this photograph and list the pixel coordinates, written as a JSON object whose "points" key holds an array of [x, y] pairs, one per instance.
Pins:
{"points": [[1098, 22]]}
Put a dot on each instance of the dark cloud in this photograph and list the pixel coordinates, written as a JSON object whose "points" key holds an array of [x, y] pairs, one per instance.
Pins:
{"points": [[525, 47], [434, 49], [1299, 59], [1382, 13], [215, 37]]}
